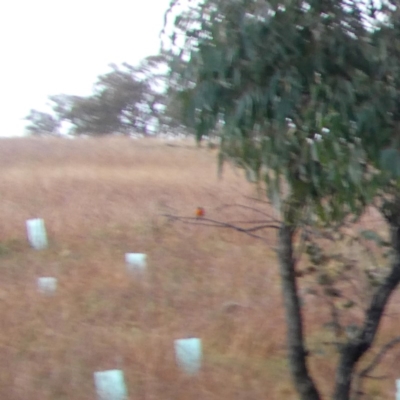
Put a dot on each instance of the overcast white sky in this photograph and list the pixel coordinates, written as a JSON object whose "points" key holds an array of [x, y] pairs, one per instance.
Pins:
{"points": [[60, 46]]}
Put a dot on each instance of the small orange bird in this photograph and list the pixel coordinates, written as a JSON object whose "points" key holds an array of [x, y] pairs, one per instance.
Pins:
{"points": [[200, 212]]}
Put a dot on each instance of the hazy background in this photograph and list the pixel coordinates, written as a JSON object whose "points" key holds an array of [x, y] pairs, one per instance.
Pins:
{"points": [[51, 47]]}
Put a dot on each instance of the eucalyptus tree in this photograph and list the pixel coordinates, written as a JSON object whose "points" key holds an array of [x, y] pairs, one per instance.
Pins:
{"points": [[307, 94]]}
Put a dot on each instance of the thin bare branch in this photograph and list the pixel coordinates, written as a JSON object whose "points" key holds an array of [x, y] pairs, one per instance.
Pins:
{"points": [[378, 358], [258, 200], [366, 372], [260, 221], [223, 206], [261, 227], [377, 378], [218, 224]]}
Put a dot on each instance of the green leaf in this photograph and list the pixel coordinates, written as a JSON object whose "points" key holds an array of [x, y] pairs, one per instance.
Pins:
{"points": [[349, 304], [355, 173], [371, 235], [314, 152], [390, 162]]}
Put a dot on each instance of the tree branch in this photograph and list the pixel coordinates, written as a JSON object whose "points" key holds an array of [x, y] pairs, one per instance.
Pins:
{"points": [[297, 353], [337, 326], [218, 224], [248, 208], [365, 373], [354, 349]]}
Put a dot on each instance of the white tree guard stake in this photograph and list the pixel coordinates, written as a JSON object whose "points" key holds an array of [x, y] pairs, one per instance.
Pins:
{"points": [[136, 262], [397, 389], [47, 285], [110, 385], [188, 353], [36, 233]]}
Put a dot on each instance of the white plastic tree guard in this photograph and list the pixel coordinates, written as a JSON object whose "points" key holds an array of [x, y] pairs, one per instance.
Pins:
{"points": [[188, 353], [397, 389], [47, 285], [136, 262], [36, 233], [110, 385]]}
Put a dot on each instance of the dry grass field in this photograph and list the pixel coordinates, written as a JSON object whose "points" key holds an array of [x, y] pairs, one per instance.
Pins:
{"points": [[102, 198]]}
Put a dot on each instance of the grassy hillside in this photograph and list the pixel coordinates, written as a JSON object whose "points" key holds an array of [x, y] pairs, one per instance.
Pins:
{"points": [[101, 198]]}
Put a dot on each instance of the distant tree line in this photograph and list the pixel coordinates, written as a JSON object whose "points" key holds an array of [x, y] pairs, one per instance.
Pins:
{"points": [[128, 99]]}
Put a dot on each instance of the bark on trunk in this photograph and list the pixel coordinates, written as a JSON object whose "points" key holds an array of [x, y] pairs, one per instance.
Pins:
{"points": [[353, 350], [297, 355]]}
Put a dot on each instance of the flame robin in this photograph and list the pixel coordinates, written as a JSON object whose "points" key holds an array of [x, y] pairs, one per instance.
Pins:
{"points": [[200, 212]]}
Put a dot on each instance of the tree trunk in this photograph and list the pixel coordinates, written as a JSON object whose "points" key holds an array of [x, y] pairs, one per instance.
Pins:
{"points": [[297, 355], [354, 349]]}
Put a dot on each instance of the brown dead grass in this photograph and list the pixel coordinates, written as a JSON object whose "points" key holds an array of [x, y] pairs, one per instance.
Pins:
{"points": [[101, 198]]}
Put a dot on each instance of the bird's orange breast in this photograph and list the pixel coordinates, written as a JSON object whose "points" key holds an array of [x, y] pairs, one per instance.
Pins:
{"points": [[200, 212]]}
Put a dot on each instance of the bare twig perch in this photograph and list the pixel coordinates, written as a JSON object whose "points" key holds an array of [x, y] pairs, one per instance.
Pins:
{"points": [[218, 224]]}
